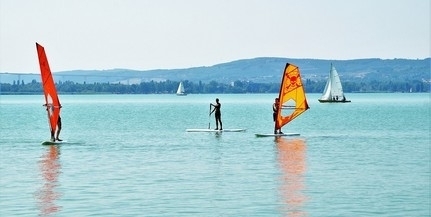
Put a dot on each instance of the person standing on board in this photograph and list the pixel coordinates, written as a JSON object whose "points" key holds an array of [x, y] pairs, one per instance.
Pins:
{"points": [[57, 134], [58, 129], [217, 113], [274, 115]]}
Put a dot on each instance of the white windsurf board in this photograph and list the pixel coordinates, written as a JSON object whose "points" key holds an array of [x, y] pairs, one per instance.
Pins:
{"points": [[213, 130], [275, 135]]}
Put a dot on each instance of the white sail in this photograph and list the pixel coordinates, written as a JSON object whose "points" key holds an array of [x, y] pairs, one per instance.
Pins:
{"points": [[327, 92], [333, 89], [180, 91]]}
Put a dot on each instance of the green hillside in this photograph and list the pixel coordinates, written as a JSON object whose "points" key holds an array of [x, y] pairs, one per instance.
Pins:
{"points": [[241, 76]]}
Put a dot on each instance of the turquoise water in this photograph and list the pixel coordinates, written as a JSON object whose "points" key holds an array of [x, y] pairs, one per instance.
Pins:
{"points": [[129, 155]]}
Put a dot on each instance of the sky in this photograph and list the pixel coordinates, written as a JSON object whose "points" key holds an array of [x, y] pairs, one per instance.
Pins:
{"points": [[172, 34]]}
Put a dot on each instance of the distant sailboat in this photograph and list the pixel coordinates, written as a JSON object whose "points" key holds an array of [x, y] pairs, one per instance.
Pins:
{"points": [[293, 101], [52, 102], [333, 89], [180, 91]]}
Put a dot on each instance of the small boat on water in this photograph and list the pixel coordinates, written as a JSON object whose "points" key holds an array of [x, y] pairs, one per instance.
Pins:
{"points": [[180, 91], [333, 92]]}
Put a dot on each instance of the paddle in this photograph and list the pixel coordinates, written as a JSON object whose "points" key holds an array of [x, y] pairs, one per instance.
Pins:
{"points": [[209, 118]]}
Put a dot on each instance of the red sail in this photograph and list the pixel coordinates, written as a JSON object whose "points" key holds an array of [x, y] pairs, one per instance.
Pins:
{"points": [[293, 101], [52, 102]]}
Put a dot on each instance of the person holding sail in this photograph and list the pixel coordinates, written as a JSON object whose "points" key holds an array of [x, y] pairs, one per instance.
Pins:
{"points": [[275, 106], [217, 113], [56, 132], [58, 129]]}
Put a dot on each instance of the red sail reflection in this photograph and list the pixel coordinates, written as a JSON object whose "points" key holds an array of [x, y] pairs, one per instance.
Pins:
{"points": [[50, 170], [292, 161]]}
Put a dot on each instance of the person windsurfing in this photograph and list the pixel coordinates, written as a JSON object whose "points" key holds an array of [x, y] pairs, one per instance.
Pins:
{"points": [[275, 106]]}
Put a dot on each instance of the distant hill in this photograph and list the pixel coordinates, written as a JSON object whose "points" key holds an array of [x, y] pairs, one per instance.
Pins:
{"points": [[259, 70]]}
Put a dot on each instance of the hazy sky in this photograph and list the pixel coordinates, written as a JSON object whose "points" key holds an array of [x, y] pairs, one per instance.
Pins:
{"points": [[154, 34]]}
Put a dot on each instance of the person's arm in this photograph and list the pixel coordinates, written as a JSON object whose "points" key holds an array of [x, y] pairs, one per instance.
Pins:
{"points": [[212, 105]]}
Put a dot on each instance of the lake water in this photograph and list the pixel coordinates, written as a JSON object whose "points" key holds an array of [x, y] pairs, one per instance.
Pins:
{"points": [[129, 155]]}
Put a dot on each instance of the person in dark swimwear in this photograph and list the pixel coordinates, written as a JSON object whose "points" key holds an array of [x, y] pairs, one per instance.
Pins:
{"points": [[55, 135], [217, 114], [58, 129], [274, 115]]}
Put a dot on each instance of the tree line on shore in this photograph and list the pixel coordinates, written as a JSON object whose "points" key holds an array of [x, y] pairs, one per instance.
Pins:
{"points": [[170, 87]]}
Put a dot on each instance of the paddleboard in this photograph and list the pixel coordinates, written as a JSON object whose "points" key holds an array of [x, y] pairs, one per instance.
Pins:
{"points": [[276, 135], [53, 143], [212, 130]]}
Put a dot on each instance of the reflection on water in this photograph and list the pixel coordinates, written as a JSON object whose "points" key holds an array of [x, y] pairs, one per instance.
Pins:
{"points": [[291, 155], [49, 170]]}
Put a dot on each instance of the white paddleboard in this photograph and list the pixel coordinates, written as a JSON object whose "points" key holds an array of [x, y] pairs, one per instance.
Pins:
{"points": [[212, 130], [53, 143], [276, 135]]}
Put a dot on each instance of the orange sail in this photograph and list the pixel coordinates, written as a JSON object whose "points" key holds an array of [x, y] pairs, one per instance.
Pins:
{"points": [[52, 102], [292, 96]]}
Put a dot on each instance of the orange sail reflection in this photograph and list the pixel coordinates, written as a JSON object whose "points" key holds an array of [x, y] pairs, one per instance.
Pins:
{"points": [[50, 170], [292, 161]]}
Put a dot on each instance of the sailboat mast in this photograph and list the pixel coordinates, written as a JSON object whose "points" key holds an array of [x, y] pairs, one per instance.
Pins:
{"points": [[280, 92]]}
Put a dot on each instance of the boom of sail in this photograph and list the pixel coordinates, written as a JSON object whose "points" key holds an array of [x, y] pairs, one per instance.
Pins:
{"points": [[293, 101], [52, 102], [333, 89]]}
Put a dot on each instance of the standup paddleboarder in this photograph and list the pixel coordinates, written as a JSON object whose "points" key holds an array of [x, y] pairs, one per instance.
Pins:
{"points": [[217, 113]]}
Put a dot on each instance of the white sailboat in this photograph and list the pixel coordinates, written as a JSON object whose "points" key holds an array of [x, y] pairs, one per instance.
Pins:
{"points": [[333, 89], [180, 91]]}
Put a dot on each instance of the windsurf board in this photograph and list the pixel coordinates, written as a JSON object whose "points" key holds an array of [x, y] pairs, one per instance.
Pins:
{"points": [[275, 135], [53, 143]]}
